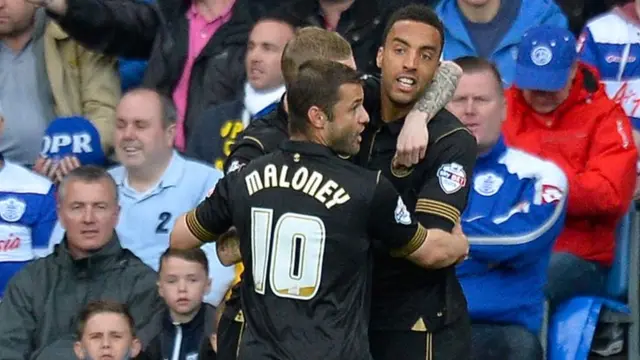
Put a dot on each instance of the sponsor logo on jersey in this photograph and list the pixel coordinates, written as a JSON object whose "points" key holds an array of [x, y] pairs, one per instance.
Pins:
{"points": [[12, 209], [401, 213], [235, 165], [12, 243], [452, 177], [487, 184], [192, 356]]}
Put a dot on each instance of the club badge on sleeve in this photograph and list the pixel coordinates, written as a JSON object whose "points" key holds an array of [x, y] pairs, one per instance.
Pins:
{"points": [[401, 213], [452, 177]]}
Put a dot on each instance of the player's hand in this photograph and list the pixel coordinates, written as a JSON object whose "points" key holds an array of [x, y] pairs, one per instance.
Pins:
{"points": [[412, 142], [462, 241], [65, 166], [46, 167], [228, 248]]}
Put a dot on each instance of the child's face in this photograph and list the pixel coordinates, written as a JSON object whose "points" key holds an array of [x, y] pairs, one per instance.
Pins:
{"points": [[183, 284], [107, 336]]}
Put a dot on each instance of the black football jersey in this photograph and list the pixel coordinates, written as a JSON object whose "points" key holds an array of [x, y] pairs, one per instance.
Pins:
{"points": [[305, 219], [406, 296]]}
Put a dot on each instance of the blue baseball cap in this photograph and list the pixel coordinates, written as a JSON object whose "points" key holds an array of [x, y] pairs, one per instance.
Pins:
{"points": [[75, 136], [545, 57]]}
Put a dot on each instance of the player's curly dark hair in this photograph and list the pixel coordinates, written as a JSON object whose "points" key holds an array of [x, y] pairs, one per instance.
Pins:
{"points": [[418, 13]]}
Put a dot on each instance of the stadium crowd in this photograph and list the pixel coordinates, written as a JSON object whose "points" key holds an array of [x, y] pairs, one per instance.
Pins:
{"points": [[442, 174]]}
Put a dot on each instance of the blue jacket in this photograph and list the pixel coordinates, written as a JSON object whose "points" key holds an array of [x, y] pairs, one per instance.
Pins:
{"points": [[532, 13], [515, 211], [611, 43]]}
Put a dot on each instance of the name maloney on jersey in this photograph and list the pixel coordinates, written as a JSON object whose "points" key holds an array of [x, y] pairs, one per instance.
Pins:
{"points": [[314, 184]]}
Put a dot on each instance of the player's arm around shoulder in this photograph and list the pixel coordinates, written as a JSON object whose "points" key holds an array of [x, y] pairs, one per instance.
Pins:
{"points": [[392, 223], [414, 136]]}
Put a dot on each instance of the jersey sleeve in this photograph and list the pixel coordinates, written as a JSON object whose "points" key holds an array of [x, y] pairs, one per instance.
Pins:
{"points": [[443, 195], [245, 150], [391, 222], [212, 217], [43, 228], [527, 230]]}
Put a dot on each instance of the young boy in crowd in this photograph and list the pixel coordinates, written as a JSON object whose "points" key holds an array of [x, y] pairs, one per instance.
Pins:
{"points": [[106, 329], [188, 322]]}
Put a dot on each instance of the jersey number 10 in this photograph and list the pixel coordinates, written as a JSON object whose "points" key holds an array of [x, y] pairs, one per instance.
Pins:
{"points": [[290, 254]]}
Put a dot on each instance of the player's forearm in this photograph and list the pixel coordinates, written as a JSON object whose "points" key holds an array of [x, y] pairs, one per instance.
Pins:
{"points": [[182, 237], [441, 90], [440, 249]]}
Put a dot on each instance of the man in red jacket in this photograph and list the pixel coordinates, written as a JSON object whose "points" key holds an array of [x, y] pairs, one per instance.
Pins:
{"points": [[558, 110]]}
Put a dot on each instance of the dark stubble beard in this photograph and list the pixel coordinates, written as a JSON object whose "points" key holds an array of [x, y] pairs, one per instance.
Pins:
{"points": [[345, 144]]}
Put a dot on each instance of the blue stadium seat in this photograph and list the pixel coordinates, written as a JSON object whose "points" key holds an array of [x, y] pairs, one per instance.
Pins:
{"points": [[621, 304], [623, 282]]}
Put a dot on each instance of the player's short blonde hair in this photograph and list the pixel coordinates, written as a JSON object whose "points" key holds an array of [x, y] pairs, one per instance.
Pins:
{"points": [[312, 43]]}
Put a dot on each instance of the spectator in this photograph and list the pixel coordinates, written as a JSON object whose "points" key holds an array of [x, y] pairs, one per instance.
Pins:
{"points": [[216, 129], [42, 300], [580, 11], [68, 143], [492, 29], [610, 43], [515, 212], [360, 22], [27, 216], [106, 330], [552, 89], [46, 74], [195, 48], [187, 324], [155, 184]]}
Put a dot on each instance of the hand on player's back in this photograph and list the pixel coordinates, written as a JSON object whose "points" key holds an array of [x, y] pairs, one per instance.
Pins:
{"points": [[228, 248]]}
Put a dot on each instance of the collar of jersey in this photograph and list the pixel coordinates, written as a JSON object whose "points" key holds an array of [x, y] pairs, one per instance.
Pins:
{"points": [[307, 148], [171, 177], [394, 126]]}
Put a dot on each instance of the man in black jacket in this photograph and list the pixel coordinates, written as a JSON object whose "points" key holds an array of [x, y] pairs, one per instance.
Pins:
{"points": [[40, 305], [168, 33]]}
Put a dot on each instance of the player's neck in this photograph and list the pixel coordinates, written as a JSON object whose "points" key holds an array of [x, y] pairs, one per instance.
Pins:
{"points": [[391, 111], [178, 318], [480, 14], [144, 178]]}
